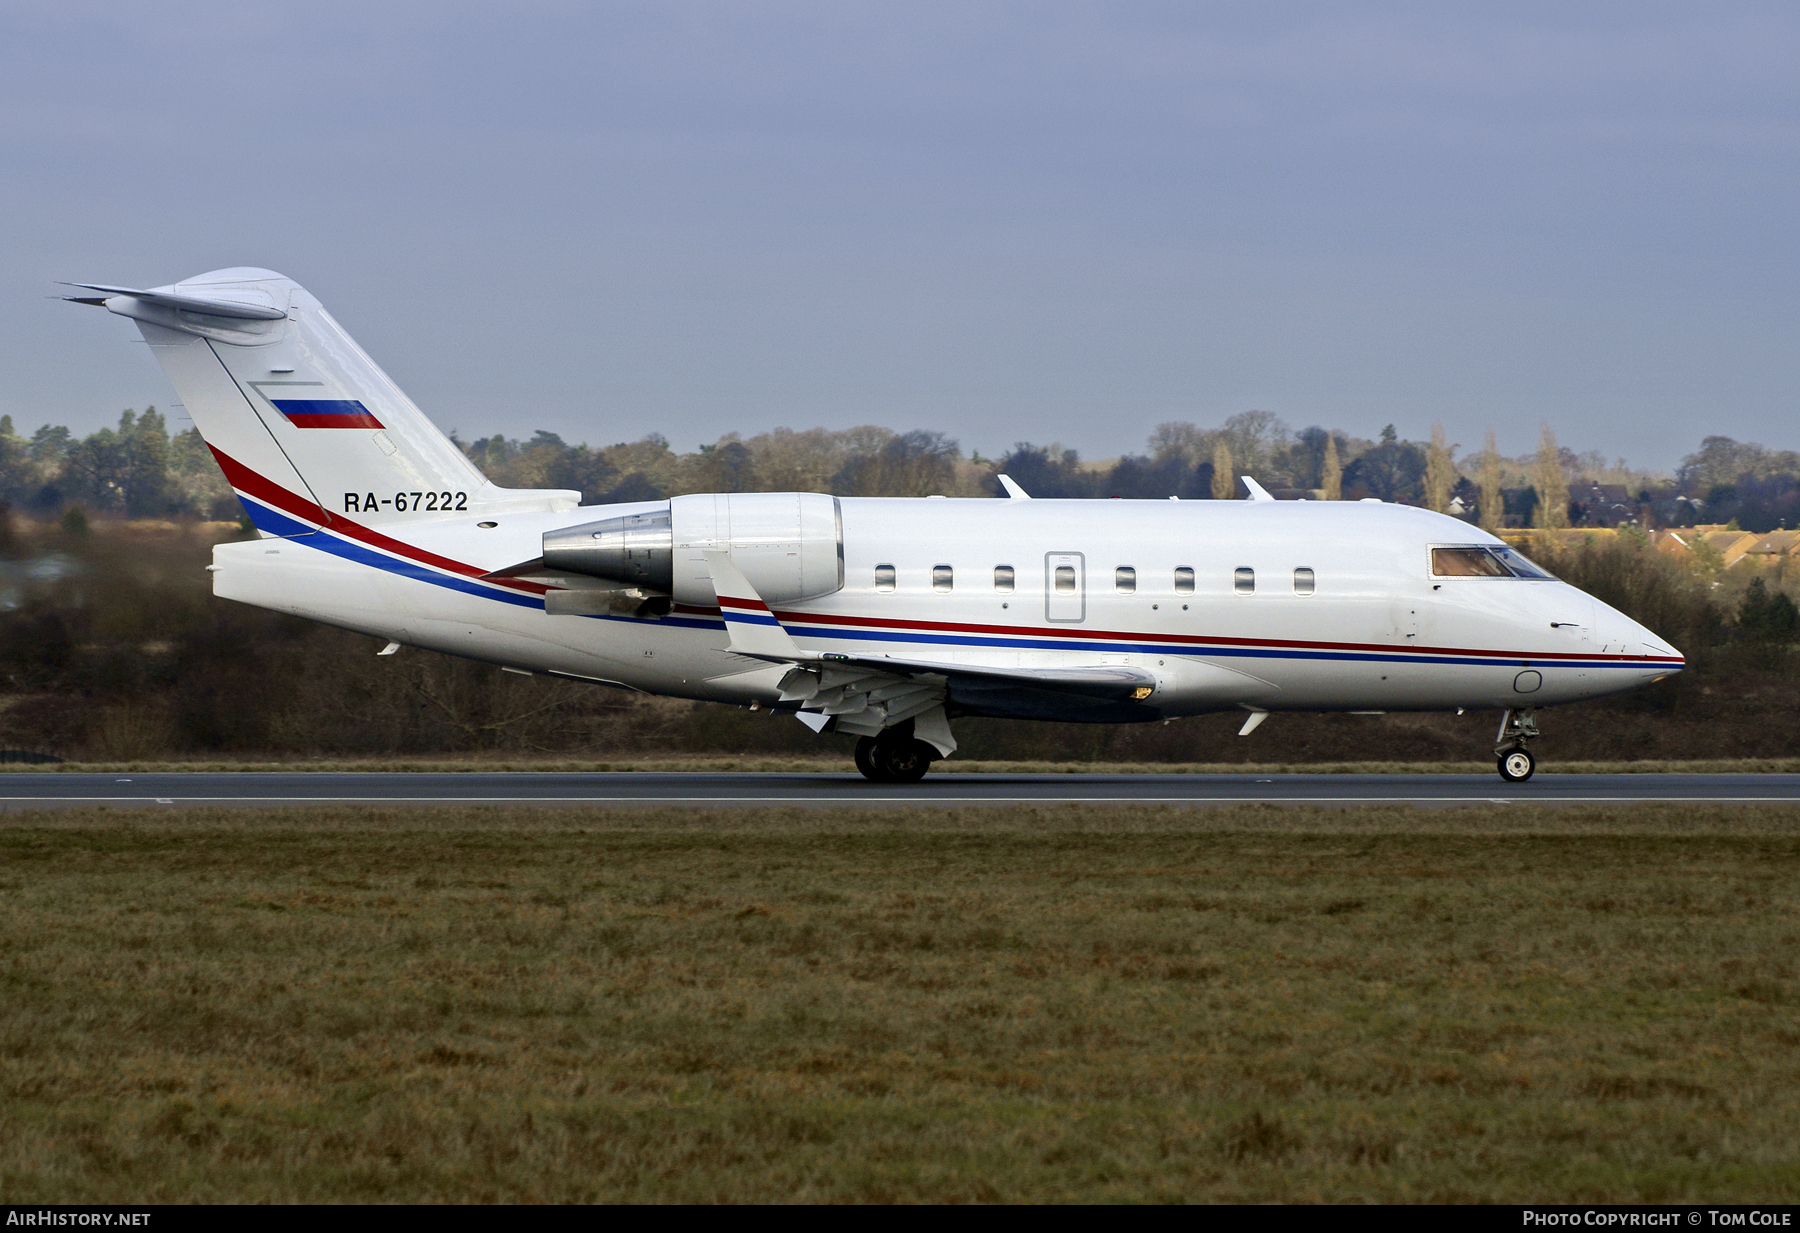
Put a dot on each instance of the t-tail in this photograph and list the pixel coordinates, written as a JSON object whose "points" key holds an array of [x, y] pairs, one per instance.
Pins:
{"points": [[307, 428]]}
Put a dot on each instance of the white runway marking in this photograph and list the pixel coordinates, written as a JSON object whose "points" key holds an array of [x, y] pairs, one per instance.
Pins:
{"points": [[595, 789], [897, 800]]}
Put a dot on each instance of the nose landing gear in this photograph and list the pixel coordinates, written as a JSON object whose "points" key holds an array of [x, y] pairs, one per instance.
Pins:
{"points": [[1516, 765], [1515, 760]]}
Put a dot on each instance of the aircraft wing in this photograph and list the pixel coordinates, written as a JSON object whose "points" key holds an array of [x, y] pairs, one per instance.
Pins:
{"points": [[758, 634], [867, 694], [864, 694], [1119, 681]]}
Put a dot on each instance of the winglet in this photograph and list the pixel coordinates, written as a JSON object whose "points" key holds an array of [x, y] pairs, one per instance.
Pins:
{"points": [[753, 628], [1257, 491], [1012, 488]]}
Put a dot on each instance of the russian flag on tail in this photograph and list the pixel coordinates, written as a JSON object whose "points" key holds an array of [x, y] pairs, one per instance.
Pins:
{"points": [[325, 413]]}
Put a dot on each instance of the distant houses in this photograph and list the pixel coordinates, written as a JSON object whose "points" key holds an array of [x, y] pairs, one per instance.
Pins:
{"points": [[1718, 544], [1772, 546], [1695, 543], [1604, 505], [1735, 549]]}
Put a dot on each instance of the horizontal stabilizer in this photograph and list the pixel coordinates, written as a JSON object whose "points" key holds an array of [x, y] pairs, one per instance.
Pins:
{"points": [[185, 303]]}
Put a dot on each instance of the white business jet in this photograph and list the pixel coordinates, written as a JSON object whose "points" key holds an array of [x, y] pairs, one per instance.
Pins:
{"points": [[882, 618]]}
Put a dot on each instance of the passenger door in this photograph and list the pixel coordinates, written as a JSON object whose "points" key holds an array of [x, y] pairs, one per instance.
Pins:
{"points": [[1065, 587]]}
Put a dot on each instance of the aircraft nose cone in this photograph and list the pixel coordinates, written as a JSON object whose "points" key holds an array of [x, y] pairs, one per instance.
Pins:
{"points": [[1620, 635], [1658, 648]]}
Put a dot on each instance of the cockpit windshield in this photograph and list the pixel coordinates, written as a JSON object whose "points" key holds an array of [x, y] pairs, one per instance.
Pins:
{"points": [[1483, 562], [1521, 565], [1466, 563]]}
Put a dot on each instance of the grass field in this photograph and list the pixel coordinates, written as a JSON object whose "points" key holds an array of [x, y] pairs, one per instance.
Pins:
{"points": [[1055, 1003]]}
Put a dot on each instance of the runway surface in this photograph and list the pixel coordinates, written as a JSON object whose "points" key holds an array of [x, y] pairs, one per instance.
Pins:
{"points": [[36, 791]]}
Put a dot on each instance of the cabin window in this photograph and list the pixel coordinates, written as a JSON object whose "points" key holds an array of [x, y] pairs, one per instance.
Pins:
{"points": [[1125, 580], [1003, 578], [1303, 581], [1065, 580], [1467, 563], [943, 578], [1184, 580], [1243, 580], [884, 577]]}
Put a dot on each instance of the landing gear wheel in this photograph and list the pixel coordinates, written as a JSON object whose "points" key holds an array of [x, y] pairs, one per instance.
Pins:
{"points": [[902, 761], [865, 760], [1516, 765]]}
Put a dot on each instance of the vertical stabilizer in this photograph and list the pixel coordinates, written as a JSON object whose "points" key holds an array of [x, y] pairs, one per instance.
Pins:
{"points": [[306, 426]]}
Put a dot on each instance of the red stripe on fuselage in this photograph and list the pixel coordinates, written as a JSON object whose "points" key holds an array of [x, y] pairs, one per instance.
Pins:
{"points": [[245, 480]]}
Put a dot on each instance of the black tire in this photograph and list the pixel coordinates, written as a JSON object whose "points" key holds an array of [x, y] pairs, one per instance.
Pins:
{"points": [[865, 760], [903, 761], [1516, 765]]}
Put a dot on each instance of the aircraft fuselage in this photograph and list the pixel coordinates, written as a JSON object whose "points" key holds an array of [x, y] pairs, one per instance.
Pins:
{"points": [[1339, 610]]}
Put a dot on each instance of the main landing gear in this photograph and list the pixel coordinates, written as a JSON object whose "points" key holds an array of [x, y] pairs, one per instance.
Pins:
{"points": [[896, 756], [1515, 760]]}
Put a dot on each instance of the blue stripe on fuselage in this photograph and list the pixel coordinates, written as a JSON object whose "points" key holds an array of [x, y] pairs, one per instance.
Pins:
{"points": [[1048, 644], [278, 523]]}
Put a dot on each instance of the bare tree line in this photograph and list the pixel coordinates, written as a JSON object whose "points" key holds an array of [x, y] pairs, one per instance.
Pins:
{"points": [[139, 469]]}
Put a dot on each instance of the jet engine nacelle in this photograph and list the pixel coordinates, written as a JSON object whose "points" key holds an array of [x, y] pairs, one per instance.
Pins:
{"points": [[789, 545]]}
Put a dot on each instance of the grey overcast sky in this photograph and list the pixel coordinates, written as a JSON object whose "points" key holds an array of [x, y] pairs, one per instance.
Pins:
{"points": [[1005, 221]]}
